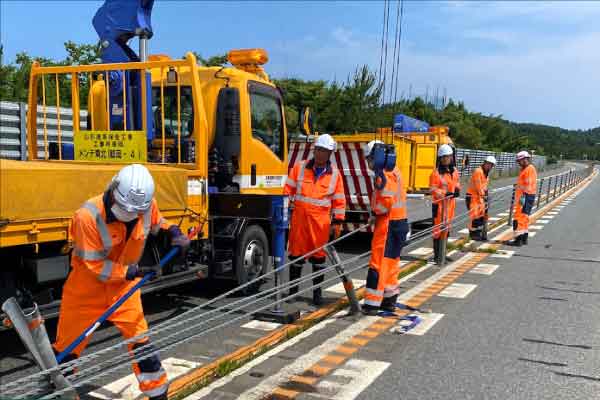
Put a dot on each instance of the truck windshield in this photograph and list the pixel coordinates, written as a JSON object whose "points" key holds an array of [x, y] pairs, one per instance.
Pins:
{"points": [[267, 122]]}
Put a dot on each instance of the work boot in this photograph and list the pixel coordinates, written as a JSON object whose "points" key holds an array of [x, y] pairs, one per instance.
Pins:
{"points": [[317, 280], [295, 273], [516, 242], [436, 251], [389, 303], [525, 238], [473, 235], [370, 310], [163, 396]]}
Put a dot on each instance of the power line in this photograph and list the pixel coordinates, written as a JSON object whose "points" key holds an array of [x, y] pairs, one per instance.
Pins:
{"points": [[382, 41], [399, 47], [394, 81]]}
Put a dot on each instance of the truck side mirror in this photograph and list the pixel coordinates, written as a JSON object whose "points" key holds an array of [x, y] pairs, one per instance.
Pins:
{"points": [[305, 122]]}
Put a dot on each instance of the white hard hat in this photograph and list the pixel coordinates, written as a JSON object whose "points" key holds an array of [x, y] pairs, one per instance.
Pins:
{"points": [[523, 154], [133, 188], [491, 160], [370, 146], [325, 141], [445, 150]]}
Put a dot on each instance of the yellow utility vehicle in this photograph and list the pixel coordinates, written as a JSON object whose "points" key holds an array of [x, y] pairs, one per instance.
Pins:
{"points": [[214, 139]]}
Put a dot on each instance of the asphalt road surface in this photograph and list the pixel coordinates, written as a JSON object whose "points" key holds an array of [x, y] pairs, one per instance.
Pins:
{"points": [[162, 306], [520, 325]]}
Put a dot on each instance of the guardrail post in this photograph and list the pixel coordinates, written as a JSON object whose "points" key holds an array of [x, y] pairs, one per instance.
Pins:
{"points": [[554, 190], [23, 130], [562, 187], [539, 196], [548, 190], [443, 236], [512, 206]]}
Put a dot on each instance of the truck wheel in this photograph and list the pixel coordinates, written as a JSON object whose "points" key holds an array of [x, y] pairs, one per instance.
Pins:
{"points": [[252, 257]]}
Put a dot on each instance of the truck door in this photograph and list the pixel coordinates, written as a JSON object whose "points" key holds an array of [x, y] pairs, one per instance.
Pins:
{"points": [[263, 161], [424, 159]]}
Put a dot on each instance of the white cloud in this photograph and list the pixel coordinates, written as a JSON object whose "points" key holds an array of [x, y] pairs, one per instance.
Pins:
{"points": [[554, 82]]}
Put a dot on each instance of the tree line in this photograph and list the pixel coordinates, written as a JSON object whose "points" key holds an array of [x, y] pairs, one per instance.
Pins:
{"points": [[349, 106]]}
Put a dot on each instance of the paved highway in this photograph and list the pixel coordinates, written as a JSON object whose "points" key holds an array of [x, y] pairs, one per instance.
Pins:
{"points": [[166, 304]]}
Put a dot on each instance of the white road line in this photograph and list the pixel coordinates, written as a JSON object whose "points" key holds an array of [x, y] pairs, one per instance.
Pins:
{"points": [[422, 269], [433, 278], [536, 227], [421, 251], [547, 217], [484, 269], [463, 231], [532, 234], [503, 214], [351, 379], [457, 290], [261, 325], [494, 219], [503, 254], [126, 388], [242, 370], [428, 320], [543, 221], [305, 361], [553, 213], [338, 288], [452, 239]]}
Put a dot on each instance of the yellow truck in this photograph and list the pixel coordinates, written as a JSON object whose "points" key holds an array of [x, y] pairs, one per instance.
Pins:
{"points": [[214, 139]]}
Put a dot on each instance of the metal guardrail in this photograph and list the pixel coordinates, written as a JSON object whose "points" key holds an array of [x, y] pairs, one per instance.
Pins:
{"points": [[13, 128], [13, 138], [468, 160]]}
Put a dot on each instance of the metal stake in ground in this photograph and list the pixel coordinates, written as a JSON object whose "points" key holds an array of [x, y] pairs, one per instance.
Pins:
{"points": [[347, 282], [279, 213]]}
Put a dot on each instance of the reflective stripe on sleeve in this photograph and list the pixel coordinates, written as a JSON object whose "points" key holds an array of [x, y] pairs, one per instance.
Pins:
{"points": [[106, 270], [90, 255]]}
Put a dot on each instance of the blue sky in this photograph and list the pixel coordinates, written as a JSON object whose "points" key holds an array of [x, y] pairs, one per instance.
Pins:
{"points": [[528, 61]]}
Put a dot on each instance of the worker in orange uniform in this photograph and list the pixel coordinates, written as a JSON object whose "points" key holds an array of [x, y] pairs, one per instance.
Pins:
{"points": [[477, 199], [109, 233], [524, 199], [316, 191], [391, 231], [444, 185]]}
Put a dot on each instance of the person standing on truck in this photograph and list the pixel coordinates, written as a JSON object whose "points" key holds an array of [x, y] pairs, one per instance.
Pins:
{"points": [[109, 234], [525, 190], [391, 231], [316, 190], [477, 199], [444, 185]]}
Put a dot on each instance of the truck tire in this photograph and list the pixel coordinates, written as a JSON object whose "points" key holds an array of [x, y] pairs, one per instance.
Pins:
{"points": [[252, 257]]}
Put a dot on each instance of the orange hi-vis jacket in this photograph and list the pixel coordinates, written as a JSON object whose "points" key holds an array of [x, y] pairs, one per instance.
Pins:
{"points": [[478, 186], [315, 200], [525, 191], [439, 185], [389, 237], [102, 251], [102, 248]]}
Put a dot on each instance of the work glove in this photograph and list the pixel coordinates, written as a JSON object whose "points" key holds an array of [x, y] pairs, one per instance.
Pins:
{"points": [[457, 192], [449, 195], [136, 271], [178, 238], [372, 219]]}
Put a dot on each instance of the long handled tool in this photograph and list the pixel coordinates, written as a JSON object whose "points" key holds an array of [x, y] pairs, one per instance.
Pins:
{"points": [[90, 329], [30, 328], [347, 282]]}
